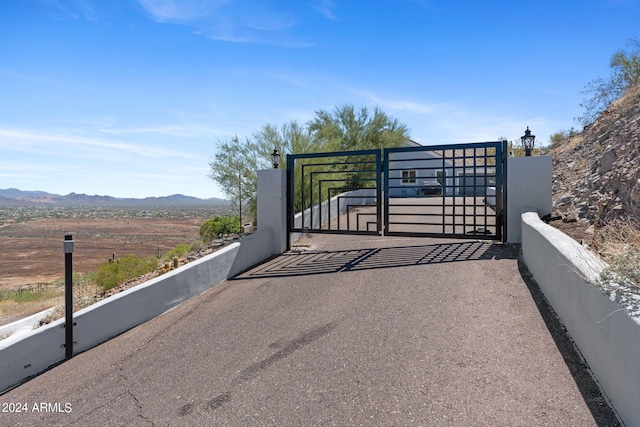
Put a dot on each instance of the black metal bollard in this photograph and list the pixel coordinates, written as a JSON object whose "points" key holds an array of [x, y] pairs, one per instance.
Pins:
{"points": [[68, 295]]}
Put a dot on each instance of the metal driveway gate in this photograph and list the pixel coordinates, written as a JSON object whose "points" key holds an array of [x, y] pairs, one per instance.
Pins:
{"points": [[446, 191], [452, 191], [337, 192]]}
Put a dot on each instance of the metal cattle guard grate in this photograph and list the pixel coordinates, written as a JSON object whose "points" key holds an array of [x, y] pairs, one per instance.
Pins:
{"points": [[452, 191]]}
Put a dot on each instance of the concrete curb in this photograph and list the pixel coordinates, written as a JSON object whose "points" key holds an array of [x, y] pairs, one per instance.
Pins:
{"points": [[606, 335]]}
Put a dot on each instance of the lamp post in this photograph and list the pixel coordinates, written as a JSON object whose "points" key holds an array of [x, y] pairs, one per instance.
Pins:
{"points": [[275, 158], [68, 295], [528, 141]]}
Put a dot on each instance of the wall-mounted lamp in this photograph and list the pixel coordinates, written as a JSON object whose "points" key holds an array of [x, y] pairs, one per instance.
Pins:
{"points": [[528, 142], [275, 158]]}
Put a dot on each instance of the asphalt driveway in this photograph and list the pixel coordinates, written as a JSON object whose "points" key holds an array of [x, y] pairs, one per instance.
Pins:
{"points": [[344, 330]]}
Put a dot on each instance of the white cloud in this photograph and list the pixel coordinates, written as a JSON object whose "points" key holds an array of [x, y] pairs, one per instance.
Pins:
{"points": [[325, 7], [189, 126], [78, 146], [254, 38], [180, 11], [76, 9], [454, 122], [266, 20], [427, 4], [8, 168], [178, 131], [409, 106], [62, 163], [241, 22]]}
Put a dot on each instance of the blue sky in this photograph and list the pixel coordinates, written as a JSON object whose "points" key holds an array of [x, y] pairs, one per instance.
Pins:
{"points": [[128, 98]]}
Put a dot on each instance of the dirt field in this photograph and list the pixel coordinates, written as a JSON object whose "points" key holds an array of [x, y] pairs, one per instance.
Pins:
{"points": [[31, 251]]}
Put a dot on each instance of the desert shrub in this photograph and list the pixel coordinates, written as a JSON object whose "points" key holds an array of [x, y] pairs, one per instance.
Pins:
{"points": [[218, 226], [624, 269], [602, 92], [562, 135], [618, 244], [29, 295], [197, 245], [112, 274], [178, 251]]}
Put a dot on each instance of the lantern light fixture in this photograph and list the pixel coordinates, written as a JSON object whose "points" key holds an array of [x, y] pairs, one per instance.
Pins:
{"points": [[528, 142], [275, 158]]}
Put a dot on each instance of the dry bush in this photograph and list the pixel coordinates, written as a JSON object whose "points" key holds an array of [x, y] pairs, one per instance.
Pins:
{"points": [[14, 304], [30, 301], [86, 291], [618, 243], [568, 144]]}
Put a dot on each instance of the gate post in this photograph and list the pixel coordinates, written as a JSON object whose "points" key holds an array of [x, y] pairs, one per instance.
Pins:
{"points": [[529, 186], [272, 207]]}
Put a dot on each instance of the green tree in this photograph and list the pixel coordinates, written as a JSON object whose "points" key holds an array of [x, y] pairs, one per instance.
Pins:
{"points": [[625, 74], [236, 161], [290, 138], [349, 129], [234, 167]]}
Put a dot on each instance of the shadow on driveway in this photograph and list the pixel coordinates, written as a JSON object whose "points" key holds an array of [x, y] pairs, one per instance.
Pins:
{"points": [[602, 413], [304, 263], [337, 261]]}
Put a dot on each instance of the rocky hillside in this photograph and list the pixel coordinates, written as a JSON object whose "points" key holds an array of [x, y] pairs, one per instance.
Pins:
{"points": [[597, 172]]}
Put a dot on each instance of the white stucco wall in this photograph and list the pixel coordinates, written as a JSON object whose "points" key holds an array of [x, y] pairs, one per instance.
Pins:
{"points": [[19, 328], [528, 186], [606, 335], [322, 213], [272, 206]]}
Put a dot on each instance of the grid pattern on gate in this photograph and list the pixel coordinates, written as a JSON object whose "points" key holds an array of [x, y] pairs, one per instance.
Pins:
{"points": [[337, 192], [445, 191]]}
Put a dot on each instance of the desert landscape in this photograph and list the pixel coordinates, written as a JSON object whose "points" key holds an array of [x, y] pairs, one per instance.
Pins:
{"points": [[31, 242]]}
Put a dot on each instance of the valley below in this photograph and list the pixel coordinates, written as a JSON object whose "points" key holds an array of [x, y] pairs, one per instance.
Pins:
{"points": [[31, 251]]}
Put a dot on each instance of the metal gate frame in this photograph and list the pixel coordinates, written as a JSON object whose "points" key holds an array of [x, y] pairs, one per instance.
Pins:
{"points": [[357, 168], [383, 161], [460, 161]]}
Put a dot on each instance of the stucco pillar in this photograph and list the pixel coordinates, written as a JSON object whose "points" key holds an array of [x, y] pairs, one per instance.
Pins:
{"points": [[528, 187], [272, 206]]}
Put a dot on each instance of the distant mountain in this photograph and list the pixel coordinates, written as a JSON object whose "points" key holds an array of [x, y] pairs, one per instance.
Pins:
{"points": [[14, 193], [7, 201], [15, 197]]}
